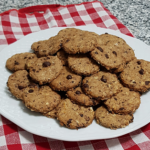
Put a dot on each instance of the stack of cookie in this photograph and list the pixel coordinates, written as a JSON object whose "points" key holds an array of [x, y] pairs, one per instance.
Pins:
{"points": [[77, 76]]}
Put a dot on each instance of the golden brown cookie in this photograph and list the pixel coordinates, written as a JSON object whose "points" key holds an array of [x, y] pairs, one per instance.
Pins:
{"points": [[136, 75], [17, 82], [112, 121], [80, 42], [108, 56], [42, 99], [74, 116], [45, 69], [66, 80], [82, 64], [18, 61], [101, 86], [108, 39], [125, 102], [47, 47], [77, 96]]}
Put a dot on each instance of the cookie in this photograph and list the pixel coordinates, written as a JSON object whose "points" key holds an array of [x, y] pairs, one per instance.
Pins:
{"points": [[17, 82], [67, 33], [136, 75], [108, 56], [66, 80], [127, 51], [82, 64], [18, 61], [104, 39], [74, 116], [125, 102], [63, 56], [77, 96], [101, 86], [45, 69], [47, 47], [42, 99], [112, 121], [81, 42]]}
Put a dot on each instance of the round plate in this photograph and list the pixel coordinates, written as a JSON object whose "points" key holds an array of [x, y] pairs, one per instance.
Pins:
{"points": [[33, 122]]}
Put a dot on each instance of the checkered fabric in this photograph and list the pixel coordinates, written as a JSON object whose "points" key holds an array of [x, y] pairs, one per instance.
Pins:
{"points": [[15, 24]]}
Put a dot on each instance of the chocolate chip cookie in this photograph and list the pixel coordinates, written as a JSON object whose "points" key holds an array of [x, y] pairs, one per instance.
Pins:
{"points": [[108, 56], [18, 61], [127, 51], [74, 116], [17, 82], [81, 42], [82, 64], [45, 69], [136, 75], [102, 85], [42, 99], [47, 47], [77, 96], [66, 80], [112, 121], [125, 102]]}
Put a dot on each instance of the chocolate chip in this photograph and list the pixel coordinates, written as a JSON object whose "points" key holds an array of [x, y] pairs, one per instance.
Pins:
{"points": [[141, 71], [115, 98], [67, 41], [147, 82], [20, 87], [33, 70], [81, 115], [78, 92], [69, 77], [44, 51], [104, 79], [138, 62], [68, 122], [96, 52], [121, 108], [25, 57], [16, 63], [106, 55], [99, 48], [46, 64], [85, 85], [114, 52], [31, 91], [106, 33]]}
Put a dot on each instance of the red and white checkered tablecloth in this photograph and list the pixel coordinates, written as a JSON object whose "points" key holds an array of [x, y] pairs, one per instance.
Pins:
{"points": [[15, 24]]}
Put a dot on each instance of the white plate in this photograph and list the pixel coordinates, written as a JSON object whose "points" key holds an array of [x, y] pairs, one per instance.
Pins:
{"points": [[15, 111]]}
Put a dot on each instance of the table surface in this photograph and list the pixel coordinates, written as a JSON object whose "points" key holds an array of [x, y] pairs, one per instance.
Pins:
{"points": [[134, 14]]}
